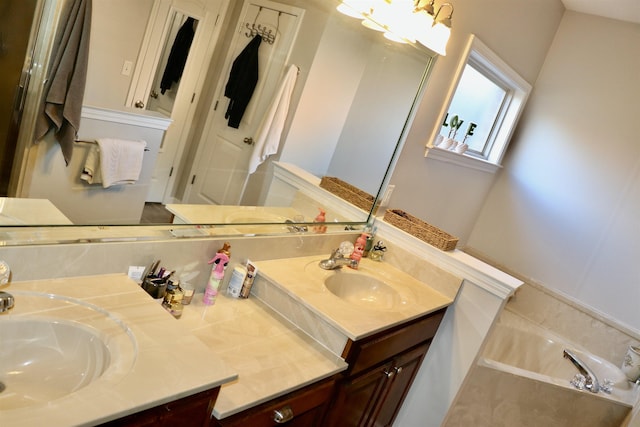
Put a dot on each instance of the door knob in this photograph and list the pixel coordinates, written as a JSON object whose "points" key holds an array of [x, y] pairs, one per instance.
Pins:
{"points": [[154, 94], [139, 104], [248, 141]]}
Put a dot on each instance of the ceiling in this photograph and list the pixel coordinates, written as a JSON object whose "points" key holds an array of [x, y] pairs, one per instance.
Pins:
{"points": [[624, 10]]}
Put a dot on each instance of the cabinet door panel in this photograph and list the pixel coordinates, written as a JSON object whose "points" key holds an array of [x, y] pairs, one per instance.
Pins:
{"points": [[385, 345], [357, 398], [405, 368]]}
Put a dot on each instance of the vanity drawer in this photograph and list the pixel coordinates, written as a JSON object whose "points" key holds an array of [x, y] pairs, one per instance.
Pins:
{"points": [[306, 407], [190, 411], [368, 352]]}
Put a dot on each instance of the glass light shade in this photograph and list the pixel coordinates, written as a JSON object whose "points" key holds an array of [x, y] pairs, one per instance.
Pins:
{"points": [[372, 25], [376, 17], [394, 37], [399, 20], [436, 38], [358, 8], [348, 10]]}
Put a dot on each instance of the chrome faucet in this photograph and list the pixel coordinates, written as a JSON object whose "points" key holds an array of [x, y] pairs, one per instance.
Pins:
{"points": [[337, 260], [591, 381], [296, 228], [6, 301]]}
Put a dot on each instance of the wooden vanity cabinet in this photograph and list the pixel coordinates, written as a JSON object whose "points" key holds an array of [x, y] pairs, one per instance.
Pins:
{"points": [[190, 411], [302, 408], [381, 370]]}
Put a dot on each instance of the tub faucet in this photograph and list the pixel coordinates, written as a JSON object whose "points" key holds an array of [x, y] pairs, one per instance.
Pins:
{"points": [[591, 381], [337, 260]]}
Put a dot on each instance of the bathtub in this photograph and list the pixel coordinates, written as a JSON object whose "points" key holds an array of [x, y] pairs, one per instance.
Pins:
{"points": [[522, 379]]}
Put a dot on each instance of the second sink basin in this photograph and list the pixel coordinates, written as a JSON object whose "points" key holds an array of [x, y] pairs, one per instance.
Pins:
{"points": [[362, 289], [44, 359]]}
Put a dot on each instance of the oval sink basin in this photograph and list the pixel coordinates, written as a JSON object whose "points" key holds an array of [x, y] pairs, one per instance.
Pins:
{"points": [[363, 290], [44, 359]]}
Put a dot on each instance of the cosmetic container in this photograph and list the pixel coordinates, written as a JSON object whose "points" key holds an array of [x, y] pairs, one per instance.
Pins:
{"points": [[237, 279]]}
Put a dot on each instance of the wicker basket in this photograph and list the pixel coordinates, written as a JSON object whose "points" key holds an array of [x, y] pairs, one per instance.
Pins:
{"points": [[347, 192], [420, 229]]}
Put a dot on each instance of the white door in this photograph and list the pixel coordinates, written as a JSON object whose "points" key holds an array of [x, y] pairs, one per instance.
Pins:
{"points": [[179, 104], [220, 171]]}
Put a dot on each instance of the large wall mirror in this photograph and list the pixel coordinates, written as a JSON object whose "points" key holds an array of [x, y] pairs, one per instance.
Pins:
{"points": [[352, 96]]}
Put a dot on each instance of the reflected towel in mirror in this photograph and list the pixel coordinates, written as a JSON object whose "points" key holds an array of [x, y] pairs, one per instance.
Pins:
{"points": [[64, 91], [114, 162], [269, 132]]}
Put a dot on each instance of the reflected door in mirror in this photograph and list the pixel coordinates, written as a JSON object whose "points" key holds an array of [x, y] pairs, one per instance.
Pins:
{"points": [[220, 172]]}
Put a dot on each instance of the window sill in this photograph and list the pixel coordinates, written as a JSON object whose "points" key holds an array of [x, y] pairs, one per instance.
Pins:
{"points": [[461, 160]]}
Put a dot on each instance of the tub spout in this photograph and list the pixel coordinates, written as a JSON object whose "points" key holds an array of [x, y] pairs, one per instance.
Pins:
{"points": [[591, 382]]}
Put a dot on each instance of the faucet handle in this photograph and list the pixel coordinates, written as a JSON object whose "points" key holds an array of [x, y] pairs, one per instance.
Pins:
{"points": [[346, 248], [5, 273], [6, 301]]}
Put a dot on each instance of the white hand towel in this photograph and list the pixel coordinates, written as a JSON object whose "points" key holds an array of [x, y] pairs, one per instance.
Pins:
{"points": [[120, 161], [270, 130]]}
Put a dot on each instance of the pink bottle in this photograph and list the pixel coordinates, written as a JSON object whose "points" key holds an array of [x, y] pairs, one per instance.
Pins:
{"points": [[358, 249], [219, 261]]}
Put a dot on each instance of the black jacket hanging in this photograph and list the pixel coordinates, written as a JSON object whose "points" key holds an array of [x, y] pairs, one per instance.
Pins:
{"points": [[177, 56], [242, 82]]}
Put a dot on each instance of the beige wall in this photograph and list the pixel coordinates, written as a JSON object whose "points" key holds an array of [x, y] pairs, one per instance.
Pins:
{"points": [[117, 29], [446, 195], [564, 211]]}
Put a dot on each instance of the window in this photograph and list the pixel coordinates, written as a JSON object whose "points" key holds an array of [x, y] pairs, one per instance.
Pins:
{"points": [[486, 101], [478, 103]]}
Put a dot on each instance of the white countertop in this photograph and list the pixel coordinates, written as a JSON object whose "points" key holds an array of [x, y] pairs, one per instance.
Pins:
{"points": [[272, 356], [303, 280], [162, 343], [242, 344], [218, 214], [16, 211]]}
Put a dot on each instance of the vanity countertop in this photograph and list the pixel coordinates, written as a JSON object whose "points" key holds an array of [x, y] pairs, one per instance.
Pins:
{"points": [[272, 356], [303, 280], [217, 214], [163, 345], [241, 344], [15, 211]]}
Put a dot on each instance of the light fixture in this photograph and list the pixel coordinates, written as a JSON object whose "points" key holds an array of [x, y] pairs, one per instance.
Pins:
{"points": [[436, 36], [404, 20]]}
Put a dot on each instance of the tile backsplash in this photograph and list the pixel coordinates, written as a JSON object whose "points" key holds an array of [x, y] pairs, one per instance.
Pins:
{"points": [[184, 255]]}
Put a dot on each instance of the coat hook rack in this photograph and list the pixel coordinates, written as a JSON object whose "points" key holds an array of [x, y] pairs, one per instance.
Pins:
{"points": [[267, 34]]}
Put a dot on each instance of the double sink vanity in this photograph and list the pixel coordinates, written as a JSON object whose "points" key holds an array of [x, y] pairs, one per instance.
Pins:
{"points": [[309, 347]]}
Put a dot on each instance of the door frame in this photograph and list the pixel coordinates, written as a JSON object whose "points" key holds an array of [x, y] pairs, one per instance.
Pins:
{"points": [[211, 14]]}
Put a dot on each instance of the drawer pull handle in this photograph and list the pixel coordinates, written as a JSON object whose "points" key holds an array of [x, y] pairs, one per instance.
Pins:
{"points": [[398, 369], [283, 414], [389, 374]]}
